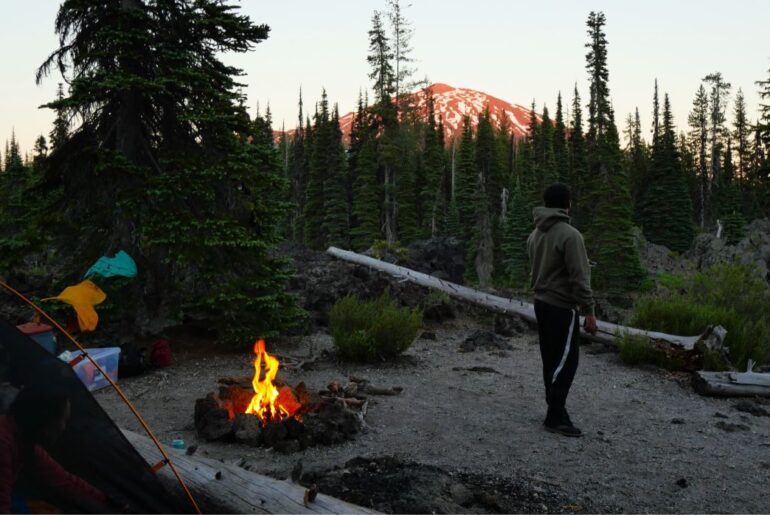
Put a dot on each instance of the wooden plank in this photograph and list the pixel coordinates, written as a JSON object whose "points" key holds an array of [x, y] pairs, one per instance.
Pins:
{"points": [[608, 332], [226, 488]]}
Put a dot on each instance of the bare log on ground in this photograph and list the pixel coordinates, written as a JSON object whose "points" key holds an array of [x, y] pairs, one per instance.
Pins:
{"points": [[608, 333], [723, 384], [225, 488]]}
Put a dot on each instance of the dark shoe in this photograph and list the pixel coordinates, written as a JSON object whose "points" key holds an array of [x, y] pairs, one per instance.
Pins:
{"points": [[563, 429]]}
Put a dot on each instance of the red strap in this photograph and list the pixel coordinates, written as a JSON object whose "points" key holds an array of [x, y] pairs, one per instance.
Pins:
{"points": [[77, 359], [159, 465]]}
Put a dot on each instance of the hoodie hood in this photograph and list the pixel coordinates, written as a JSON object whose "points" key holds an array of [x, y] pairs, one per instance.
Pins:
{"points": [[547, 217]]}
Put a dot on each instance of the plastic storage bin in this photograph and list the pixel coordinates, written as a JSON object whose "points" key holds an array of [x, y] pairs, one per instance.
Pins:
{"points": [[107, 358], [41, 333]]}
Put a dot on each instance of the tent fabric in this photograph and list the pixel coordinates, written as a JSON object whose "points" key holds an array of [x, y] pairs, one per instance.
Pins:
{"points": [[93, 447], [83, 297], [120, 264]]}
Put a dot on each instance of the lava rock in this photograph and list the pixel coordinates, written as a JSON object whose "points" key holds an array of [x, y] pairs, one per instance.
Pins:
{"points": [[440, 257], [247, 429], [507, 325], [274, 433], [681, 482], [212, 422], [294, 427], [439, 311], [287, 446], [486, 340], [677, 421]]}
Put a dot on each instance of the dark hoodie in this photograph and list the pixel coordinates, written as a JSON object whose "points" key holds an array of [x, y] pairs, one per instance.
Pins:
{"points": [[560, 272]]}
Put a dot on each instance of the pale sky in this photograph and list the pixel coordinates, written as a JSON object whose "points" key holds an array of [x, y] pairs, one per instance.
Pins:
{"points": [[515, 50]]}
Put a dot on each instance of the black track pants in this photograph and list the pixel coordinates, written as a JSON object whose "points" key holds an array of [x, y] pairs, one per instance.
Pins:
{"points": [[559, 331]]}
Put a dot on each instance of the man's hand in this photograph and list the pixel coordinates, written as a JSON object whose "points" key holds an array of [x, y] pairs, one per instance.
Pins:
{"points": [[590, 324]]}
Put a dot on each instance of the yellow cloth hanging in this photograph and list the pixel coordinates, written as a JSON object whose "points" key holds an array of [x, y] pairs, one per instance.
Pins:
{"points": [[83, 297]]}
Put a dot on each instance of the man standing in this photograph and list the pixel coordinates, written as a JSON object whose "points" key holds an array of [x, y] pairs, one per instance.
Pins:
{"points": [[561, 279]]}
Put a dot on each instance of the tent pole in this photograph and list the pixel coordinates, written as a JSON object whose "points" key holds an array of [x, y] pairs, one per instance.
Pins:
{"points": [[122, 395]]}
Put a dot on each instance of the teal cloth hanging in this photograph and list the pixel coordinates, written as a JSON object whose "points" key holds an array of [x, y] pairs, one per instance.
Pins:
{"points": [[120, 264]]}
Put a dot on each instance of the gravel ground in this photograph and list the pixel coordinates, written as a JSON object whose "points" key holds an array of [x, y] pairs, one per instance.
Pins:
{"points": [[651, 444]]}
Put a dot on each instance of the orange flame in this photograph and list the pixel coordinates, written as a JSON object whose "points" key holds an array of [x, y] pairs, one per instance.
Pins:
{"points": [[269, 403]]}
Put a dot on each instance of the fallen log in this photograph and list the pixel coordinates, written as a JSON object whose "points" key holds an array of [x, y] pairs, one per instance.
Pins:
{"points": [[609, 333], [723, 384], [225, 488]]}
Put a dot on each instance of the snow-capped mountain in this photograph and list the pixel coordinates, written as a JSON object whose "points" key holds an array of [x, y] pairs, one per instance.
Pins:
{"points": [[451, 104]]}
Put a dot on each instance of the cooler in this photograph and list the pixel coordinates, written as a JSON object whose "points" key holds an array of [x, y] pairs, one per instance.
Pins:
{"points": [[107, 358]]}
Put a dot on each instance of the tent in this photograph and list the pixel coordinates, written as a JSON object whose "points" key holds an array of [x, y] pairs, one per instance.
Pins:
{"points": [[93, 447]]}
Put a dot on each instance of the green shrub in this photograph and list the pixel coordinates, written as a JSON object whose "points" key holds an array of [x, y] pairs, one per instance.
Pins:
{"points": [[380, 248], [371, 330], [636, 350], [437, 297], [730, 295], [670, 281], [647, 285]]}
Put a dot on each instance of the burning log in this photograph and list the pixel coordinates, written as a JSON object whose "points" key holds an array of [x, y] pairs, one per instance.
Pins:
{"points": [[225, 488], [608, 333]]}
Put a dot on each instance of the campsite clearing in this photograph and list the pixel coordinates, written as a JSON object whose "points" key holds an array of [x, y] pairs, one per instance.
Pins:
{"points": [[651, 443]]}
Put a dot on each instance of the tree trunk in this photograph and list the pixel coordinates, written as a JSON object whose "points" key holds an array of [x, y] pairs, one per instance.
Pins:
{"points": [[224, 488], [712, 337]]}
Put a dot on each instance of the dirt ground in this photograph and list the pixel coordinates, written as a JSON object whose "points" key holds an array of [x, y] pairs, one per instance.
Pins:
{"points": [[651, 444]]}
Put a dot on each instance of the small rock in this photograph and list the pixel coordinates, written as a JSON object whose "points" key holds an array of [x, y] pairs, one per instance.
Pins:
{"points": [[507, 325], [720, 415], [681, 482], [751, 408], [731, 428], [191, 450], [439, 311], [461, 495], [484, 339], [677, 421], [274, 433], [428, 335], [247, 429], [287, 446]]}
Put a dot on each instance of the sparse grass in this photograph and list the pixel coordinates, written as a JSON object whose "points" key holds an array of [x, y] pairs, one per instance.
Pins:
{"points": [[381, 247], [373, 330]]}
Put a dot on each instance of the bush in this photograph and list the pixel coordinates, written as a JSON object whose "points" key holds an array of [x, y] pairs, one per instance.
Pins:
{"points": [[635, 350], [670, 281], [371, 330], [730, 295]]}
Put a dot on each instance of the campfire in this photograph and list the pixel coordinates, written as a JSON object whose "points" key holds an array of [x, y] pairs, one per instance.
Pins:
{"points": [[269, 403], [263, 410]]}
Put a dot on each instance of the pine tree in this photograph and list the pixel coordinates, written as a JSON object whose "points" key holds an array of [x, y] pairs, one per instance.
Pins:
{"points": [[718, 98], [485, 199], [609, 237], [335, 215], [545, 155], [763, 123], [15, 229], [380, 58], [665, 211], [368, 194], [316, 235], [518, 225], [401, 37], [578, 165], [730, 209], [61, 123], [561, 158], [466, 180], [637, 158], [297, 170], [698, 121], [741, 135], [433, 166], [158, 167]]}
